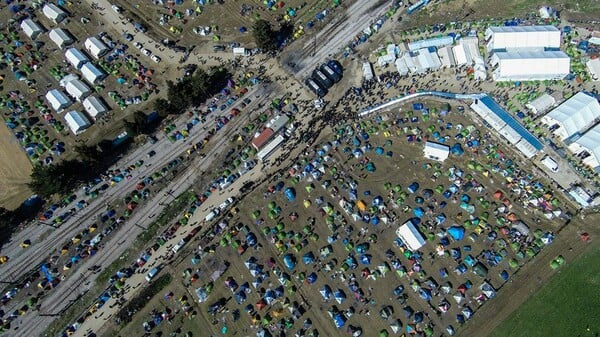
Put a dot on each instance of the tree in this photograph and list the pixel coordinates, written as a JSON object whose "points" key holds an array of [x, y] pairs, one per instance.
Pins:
{"points": [[61, 178], [264, 36], [89, 153]]}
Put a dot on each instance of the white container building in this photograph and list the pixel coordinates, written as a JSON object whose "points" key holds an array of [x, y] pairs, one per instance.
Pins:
{"points": [[76, 57], [61, 37], [530, 65], [54, 13], [509, 37], [58, 100], [91, 73], [77, 121], [78, 90], [95, 47], [94, 107], [31, 28]]}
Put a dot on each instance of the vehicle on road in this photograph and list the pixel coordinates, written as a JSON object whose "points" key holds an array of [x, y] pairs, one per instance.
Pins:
{"points": [[117, 9], [151, 154], [152, 274], [128, 37]]}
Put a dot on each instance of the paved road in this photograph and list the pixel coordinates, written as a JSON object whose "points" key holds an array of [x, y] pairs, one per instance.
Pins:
{"points": [[81, 279], [47, 241], [334, 37]]}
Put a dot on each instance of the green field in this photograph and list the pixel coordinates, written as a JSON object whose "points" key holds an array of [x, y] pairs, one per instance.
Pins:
{"points": [[569, 305]]}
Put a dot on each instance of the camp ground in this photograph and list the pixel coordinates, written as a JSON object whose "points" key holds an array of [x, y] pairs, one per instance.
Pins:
{"points": [[324, 248]]}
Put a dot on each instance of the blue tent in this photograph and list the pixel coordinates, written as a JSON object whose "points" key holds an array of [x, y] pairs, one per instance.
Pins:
{"points": [[308, 258], [425, 294], [379, 150], [418, 317], [457, 149], [378, 200], [289, 261], [412, 188], [240, 297], [243, 29], [339, 296], [418, 212], [311, 278], [456, 232], [290, 193], [440, 218], [251, 239], [375, 220], [339, 320], [325, 292], [365, 259]]}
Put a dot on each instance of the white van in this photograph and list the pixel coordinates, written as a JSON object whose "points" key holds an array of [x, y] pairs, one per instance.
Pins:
{"points": [[152, 273], [212, 215], [550, 163]]}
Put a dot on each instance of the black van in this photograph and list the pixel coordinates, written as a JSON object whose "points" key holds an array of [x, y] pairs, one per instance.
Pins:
{"points": [[315, 87], [332, 75], [322, 79]]}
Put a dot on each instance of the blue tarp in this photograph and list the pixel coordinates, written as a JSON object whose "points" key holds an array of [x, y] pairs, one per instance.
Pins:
{"points": [[457, 233]]}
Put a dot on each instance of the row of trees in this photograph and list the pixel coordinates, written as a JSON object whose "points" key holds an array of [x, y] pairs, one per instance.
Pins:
{"points": [[192, 90]]}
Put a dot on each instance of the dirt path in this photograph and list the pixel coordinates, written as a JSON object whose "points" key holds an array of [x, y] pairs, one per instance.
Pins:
{"points": [[531, 278], [14, 171]]}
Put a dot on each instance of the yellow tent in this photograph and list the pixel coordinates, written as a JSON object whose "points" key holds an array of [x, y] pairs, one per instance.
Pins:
{"points": [[361, 205], [307, 203]]}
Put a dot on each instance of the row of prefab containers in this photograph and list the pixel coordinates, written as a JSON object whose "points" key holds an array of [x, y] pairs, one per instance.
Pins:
{"points": [[324, 77]]}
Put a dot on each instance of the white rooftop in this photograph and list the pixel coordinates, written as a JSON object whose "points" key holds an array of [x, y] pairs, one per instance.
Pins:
{"points": [[411, 236], [574, 115]]}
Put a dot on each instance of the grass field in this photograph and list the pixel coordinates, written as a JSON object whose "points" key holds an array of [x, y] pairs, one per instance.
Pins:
{"points": [[14, 171], [566, 306]]}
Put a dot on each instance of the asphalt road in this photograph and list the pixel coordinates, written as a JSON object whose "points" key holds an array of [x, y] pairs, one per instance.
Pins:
{"points": [[330, 40], [80, 280]]}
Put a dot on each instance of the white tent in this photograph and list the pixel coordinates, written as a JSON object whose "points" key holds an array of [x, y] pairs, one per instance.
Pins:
{"points": [[510, 134], [508, 37], [58, 100], [77, 89], [575, 115], [96, 47], [31, 28], [61, 37], [428, 59], [91, 73], [94, 107], [76, 58], [541, 104], [410, 235], [530, 65], [77, 121], [410, 62], [54, 13], [594, 68], [526, 148], [367, 71], [590, 143], [384, 60], [446, 56], [436, 151], [401, 67], [460, 56]]}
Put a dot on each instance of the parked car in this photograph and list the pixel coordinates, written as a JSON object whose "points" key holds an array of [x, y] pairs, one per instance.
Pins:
{"points": [[138, 45], [155, 58], [151, 154], [146, 52]]}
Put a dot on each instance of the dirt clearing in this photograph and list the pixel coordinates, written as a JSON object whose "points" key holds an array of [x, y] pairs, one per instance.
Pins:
{"points": [[14, 171]]}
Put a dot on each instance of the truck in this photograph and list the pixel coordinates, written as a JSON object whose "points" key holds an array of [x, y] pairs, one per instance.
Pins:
{"points": [[330, 73], [322, 79], [315, 87]]}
